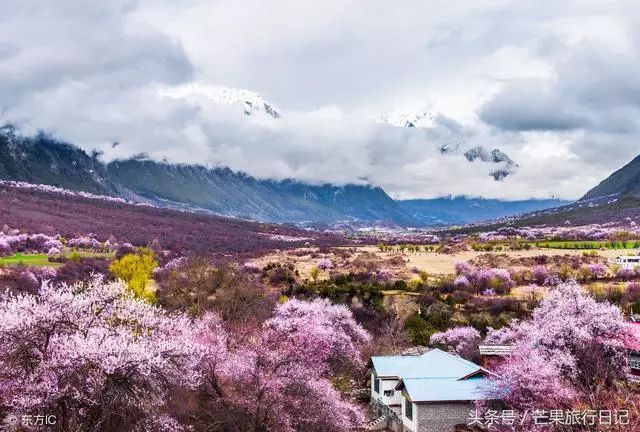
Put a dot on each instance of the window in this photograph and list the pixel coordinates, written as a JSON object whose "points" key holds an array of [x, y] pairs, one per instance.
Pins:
{"points": [[376, 385], [388, 393], [408, 409], [634, 363]]}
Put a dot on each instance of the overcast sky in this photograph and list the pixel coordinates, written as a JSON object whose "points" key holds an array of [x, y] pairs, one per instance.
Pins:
{"points": [[552, 84]]}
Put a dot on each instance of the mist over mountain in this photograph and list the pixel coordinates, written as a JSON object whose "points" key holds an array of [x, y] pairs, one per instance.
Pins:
{"points": [[425, 119], [222, 191]]}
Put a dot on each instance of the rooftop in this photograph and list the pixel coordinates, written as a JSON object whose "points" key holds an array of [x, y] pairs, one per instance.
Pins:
{"points": [[433, 376], [434, 363], [444, 389]]}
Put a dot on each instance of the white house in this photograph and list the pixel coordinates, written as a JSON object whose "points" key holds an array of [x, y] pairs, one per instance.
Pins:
{"points": [[628, 261], [433, 391]]}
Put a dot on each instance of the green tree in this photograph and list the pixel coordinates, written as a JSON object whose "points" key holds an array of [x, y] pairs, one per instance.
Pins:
{"points": [[419, 330]]}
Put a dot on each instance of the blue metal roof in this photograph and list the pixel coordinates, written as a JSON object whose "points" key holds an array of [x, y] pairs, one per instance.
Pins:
{"points": [[433, 376], [445, 389], [434, 363]]}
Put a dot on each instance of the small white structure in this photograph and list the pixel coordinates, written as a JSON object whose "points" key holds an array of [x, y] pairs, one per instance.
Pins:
{"points": [[628, 261]]}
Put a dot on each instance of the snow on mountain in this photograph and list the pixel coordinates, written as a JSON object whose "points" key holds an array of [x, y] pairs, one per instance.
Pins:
{"points": [[426, 119], [249, 101], [401, 118], [494, 156]]}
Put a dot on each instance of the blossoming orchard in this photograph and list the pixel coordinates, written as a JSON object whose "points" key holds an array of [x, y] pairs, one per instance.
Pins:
{"points": [[99, 333]]}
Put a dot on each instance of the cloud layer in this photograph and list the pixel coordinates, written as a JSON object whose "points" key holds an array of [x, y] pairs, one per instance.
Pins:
{"points": [[552, 85]]}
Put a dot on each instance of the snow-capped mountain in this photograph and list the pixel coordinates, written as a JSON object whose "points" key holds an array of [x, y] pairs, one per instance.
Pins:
{"points": [[494, 156], [426, 119], [249, 101], [411, 119]]}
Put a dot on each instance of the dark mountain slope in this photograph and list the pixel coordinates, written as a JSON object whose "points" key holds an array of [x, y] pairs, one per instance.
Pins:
{"points": [[625, 181], [42, 159], [223, 191]]}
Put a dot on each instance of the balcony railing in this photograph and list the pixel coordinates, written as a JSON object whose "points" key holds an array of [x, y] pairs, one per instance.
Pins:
{"points": [[495, 350]]}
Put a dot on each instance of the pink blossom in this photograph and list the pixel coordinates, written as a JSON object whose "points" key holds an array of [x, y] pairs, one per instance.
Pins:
{"points": [[462, 341], [84, 342], [463, 268], [5, 247], [527, 379], [81, 242], [461, 282], [549, 361], [325, 264], [625, 273], [540, 274], [385, 274], [597, 270]]}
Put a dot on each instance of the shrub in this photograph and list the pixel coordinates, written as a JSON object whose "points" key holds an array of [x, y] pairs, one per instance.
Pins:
{"points": [[325, 264], [625, 274], [137, 271], [540, 274]]}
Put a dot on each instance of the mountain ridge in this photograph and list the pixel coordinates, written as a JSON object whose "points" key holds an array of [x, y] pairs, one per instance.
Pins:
{"points": [[625, 181], [44, 160]]}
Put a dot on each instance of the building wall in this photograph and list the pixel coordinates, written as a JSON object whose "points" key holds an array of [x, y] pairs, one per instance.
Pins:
{"points": [[409, 425], [442, 417], [386, 384]]}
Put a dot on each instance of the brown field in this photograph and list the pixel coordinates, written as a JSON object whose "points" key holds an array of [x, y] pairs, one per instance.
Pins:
{"points": [[430, 262]]}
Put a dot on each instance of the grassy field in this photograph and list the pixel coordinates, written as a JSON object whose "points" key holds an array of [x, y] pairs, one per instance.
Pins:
{"points": [[605, 244], [26, 259], [43, 260]]}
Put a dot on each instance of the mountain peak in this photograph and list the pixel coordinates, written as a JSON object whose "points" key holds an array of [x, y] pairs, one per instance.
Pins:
{"points": [[401, 118], [249, 101], [496, 156]]}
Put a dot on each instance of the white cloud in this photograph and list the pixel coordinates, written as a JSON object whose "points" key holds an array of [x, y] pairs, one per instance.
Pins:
{"points": [[551, 84]]}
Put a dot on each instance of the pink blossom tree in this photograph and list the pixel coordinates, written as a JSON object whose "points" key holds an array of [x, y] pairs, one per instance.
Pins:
{"points": [[540, 274], [94, 356], [283, 376], [325, 264], [102, 360], [598, 270], [625, 274], [528, 381], [462, 341], [570, 345], [461, 282], [5, 247], [384, 274]]}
